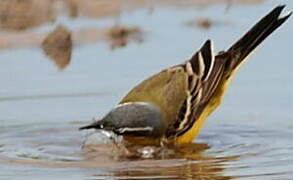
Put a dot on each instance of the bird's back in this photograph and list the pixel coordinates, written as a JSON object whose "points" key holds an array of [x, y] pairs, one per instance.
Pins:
{"points": [[166, 89]]}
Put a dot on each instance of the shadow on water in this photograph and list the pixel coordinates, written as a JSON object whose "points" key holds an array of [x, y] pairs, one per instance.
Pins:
{"points": [[232, 152], [61, 148], [112, 160]]}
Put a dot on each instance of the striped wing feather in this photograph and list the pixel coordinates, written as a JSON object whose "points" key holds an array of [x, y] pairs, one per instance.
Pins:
{"points": [[205, 70], [204, 73]]}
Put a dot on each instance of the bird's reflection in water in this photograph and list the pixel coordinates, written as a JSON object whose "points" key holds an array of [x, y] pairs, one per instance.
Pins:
{"points": [[189, 161]]}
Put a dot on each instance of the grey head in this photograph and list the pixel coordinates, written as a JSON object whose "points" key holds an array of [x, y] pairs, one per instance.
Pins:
{"points": [[132, 119]]}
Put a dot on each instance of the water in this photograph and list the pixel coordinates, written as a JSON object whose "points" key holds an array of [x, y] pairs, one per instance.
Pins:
{"points": [[41, 107]]}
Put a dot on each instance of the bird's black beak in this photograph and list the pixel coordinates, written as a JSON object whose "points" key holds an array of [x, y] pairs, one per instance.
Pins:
{"points": [[86, 127], [95, 125]]}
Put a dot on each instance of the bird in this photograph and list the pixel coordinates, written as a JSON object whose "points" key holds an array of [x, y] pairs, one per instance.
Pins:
{"points": [[172, 105]]}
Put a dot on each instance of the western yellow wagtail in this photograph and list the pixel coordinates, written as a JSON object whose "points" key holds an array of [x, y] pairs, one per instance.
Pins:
{"points": [[171, 106]]}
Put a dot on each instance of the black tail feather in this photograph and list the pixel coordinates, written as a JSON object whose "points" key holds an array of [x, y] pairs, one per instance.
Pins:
{"points": [[260, 31]]}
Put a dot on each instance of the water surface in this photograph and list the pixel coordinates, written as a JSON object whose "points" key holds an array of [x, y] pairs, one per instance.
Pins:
{"points": [[41, 107]]}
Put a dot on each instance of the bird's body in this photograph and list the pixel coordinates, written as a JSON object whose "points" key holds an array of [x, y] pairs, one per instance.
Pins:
{"points": [[183, 96]]}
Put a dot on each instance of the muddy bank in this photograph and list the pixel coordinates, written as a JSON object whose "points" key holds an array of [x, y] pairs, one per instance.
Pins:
{"points": [[116, 35], [25, 14], [18, 16], [58, 46]]}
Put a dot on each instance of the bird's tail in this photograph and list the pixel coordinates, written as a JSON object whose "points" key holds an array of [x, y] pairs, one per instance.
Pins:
{"points": [[260, 31]]}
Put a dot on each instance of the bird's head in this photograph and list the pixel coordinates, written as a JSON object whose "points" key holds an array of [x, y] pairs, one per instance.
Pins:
{"points": [[132, 119]]}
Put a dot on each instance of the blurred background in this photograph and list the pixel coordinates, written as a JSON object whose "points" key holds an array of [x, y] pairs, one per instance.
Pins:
{"points": [[64, 62]]}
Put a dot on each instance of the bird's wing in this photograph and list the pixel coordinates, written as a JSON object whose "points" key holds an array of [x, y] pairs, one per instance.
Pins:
{"points": [[204, 72], [181, 91]]}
